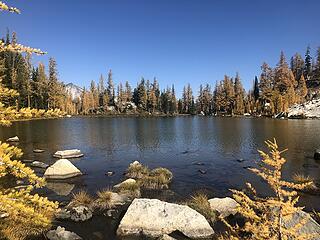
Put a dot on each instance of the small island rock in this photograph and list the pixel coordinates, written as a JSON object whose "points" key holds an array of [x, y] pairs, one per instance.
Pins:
{"points": [[71, 153], [13, 139], [62, 169]]}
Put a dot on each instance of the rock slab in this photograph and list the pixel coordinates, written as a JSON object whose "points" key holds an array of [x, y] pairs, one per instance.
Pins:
{"points": [[71, 153], [154, 218], [61, 234], [310, 227], [224, 206], [62, 169], [13, 139]]}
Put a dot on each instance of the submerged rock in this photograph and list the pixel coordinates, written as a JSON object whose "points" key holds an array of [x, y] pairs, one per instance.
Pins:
{"points": [[80, 214], [224, 206], [63, 214], [110, 173], [62, 169], [317, 154], [60, 188], [202, 171], [71, 153], [39, 164], [13, 139], [61, 234], [154, 218], [38, 150], [310, 227]]}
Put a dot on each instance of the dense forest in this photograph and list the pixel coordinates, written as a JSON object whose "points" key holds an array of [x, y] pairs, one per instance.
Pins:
{"points": [[274, 91]]}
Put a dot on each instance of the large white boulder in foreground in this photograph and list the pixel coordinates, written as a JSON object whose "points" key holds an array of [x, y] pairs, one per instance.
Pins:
{"points": [[71, 153], [154, 218], [224, 206], [62, 169]]}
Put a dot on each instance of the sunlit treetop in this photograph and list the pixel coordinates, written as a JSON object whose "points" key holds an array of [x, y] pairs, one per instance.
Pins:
{"points": [[5, 7], [16, 47]]}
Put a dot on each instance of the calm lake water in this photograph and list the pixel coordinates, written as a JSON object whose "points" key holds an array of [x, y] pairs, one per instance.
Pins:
{"points": [[178, 143]]}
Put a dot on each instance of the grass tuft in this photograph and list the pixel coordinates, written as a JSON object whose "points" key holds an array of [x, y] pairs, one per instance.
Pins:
{"points": [[81, 198], [159, 178], [133, 189], [137, 171], [104, 200], [200, 203], [301, 178]]}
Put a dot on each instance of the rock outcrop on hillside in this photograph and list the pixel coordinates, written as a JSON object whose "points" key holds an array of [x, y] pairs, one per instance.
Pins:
{"points": [[310, 109]]}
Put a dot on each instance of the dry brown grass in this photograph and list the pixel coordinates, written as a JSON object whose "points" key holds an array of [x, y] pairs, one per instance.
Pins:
{"points": [[132, 189], [137, 171], [301, 178], [81, 198], [199, 202], [159, 178], [104, 199]]}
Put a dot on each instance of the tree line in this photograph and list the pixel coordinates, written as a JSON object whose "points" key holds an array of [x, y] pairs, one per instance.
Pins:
{"points": [[274, 91]]}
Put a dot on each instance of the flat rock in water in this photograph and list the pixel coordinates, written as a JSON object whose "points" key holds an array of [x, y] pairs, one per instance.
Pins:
{"points": [[61, 234], [39, 164], [13, 139], [154, 218], [72, 153], [224, 206], [38, 150], [310, 227], [62, 169]]}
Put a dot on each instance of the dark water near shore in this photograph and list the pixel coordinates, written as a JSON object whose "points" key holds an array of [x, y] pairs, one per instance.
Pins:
{"points": [[110, 144]]}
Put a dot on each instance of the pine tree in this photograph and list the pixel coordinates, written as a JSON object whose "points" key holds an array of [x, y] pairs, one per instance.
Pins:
{"points": [[256, 90], [302, 89], [297, 66], [53, 84], [308, 65], [110, 88], [128, 92], [239, 96], [173, 101]]}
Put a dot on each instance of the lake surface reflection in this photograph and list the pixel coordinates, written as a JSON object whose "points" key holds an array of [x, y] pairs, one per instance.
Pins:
{"points": [[225, 147]]}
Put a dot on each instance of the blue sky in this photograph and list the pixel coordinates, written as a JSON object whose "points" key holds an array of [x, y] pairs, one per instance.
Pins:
{"points": [[178, 41]]}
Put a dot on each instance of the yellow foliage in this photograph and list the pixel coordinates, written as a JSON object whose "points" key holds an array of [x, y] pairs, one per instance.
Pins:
{"points": [[265, 217], [26, 213], [5, 7]]}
